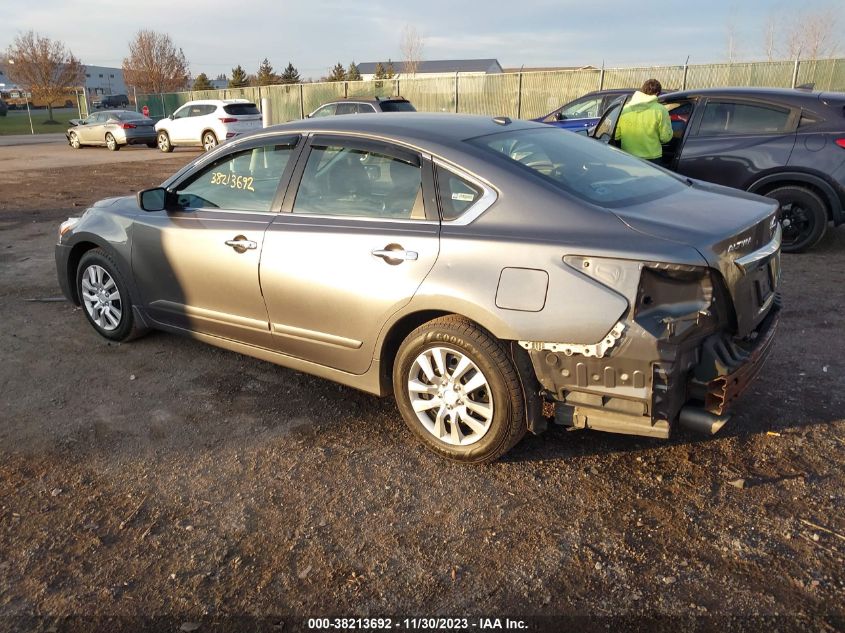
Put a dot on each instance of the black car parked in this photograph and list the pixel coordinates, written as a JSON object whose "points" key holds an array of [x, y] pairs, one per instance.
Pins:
{"points": [[785, 144]]}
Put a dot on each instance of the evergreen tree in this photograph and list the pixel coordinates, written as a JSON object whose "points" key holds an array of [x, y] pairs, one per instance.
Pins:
{"points": [[389, 73], [266, 76], [337, 73], [291, 75], [379, 73], [352, 73], [238, 79], [202, 83]]}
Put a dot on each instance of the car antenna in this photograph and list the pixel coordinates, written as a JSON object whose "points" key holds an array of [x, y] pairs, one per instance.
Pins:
{"points": [[502, 120]]}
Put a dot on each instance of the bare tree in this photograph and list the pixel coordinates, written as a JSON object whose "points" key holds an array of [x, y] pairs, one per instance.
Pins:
{"points": [[770, 37], [44, 67], [812, 35], [411, 46], [731, 37], [154, 64]]}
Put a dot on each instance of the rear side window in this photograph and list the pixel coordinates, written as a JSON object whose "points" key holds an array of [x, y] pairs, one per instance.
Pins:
{"points": [[724, 117], [456, 194], [397, 106], [242, 181], [365, 108], [240, 109]]}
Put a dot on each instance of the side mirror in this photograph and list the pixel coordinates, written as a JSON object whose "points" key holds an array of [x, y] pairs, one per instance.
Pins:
{"points": [[152, 199], [170, 117], [559, 116]]}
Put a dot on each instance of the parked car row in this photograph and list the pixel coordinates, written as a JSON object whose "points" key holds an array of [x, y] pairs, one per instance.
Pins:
{"points": [[785, 144], [478, 269]]}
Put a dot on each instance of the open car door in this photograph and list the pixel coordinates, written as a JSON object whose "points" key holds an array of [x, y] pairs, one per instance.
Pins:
{"points": [[606, 127]]}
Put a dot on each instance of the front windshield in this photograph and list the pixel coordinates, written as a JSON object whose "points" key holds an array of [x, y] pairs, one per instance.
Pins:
{"points": [[581, 166]]}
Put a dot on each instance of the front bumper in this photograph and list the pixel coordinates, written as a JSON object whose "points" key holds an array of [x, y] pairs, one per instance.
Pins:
{"points": [[62, 254]]}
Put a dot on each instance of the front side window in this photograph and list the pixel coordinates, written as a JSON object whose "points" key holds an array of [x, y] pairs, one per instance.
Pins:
{"points": [[182, 112], [456, 194], [241, 181], [327, 110], [724, 117], [581, 167], [346, 181]]}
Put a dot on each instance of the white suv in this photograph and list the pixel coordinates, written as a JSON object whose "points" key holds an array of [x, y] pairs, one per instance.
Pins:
{"points": [[207, 123]]}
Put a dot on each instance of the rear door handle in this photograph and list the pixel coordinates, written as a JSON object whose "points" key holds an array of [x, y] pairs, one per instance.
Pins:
{"points": [[397, 254]]}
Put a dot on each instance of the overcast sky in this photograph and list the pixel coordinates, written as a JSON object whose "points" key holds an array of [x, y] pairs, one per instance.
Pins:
{"points": [[315, 34]]}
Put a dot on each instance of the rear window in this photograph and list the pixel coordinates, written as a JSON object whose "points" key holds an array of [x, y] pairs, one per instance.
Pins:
{"points": [[397, 106], [241, 109], [581, 166]]}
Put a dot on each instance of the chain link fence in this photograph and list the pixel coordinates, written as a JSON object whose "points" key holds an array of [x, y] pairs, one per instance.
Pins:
{"points": [[525, 95]]}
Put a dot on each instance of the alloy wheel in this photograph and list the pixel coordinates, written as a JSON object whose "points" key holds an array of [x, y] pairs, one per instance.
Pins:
{"points": [[450, 396], [101, 297]]}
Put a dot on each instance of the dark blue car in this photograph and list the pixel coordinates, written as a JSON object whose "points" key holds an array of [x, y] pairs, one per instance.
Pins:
{"points": [[584, 112]]}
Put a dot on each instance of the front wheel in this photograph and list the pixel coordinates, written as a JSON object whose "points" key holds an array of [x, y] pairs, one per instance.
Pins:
{"points": [[111, 143], [209, 141], [163, 140], [105, 297], [803, 217], [74, 140], [458, 391]]}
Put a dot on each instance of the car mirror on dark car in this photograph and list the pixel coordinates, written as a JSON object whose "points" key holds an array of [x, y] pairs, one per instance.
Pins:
{"points": [[559, 116], [153, 199]]}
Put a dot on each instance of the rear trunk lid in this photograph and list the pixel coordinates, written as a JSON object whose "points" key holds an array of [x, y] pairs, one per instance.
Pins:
{"points": [[734, 231]]}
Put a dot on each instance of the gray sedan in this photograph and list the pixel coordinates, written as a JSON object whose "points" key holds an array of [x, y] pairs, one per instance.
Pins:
{"points": [[112, 128], [486, 272]]}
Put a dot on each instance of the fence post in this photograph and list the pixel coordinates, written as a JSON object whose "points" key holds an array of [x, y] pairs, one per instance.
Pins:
{"points": [[456, 92], [686, 71], [601, 76], [301, 103], [519, 98], [795, 73], [163, 109], [345, 89]]}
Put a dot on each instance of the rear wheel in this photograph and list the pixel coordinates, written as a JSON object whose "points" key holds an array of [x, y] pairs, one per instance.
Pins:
{"points": [[74, 140], [209, 141], [163, 140], [111, 143], [803, 216], [458, 391]]}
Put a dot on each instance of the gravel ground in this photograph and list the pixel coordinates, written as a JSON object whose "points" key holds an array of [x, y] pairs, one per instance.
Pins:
{"points": [[164, 484]]}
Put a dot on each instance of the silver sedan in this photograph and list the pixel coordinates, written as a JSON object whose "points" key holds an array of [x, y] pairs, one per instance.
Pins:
{"points": [[112, 128]]}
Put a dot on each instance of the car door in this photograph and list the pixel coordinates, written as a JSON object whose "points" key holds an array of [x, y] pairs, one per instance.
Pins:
{"points": [[179, 125], [90, 132], [733, 141], [353, 243], [580, 114], [196, 263]]}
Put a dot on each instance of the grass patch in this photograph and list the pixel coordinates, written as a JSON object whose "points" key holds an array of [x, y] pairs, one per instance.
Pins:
{"points": [[17, 122]]}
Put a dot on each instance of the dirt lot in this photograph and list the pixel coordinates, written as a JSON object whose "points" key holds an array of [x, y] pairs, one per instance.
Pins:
{"points": [[165, 482]]}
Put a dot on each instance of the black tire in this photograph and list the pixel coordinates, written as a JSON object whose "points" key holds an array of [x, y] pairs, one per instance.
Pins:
{"points": [[73, 141], [152, 145], [111, 143], [163, 142], [107, 323], [803, 216], [457, 337], [208, 140]]}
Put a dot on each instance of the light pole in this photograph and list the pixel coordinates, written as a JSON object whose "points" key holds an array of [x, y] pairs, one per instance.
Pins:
{"points": [[26, 97]]}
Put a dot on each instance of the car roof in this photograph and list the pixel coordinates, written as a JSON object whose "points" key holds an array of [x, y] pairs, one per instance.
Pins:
{"points": [[432, 131], [365, 100], [780, 93], [215, 102]]}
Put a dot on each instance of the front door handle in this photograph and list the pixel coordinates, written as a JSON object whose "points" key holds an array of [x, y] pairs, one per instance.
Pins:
{"points": [[241, 244], [395, 255]]}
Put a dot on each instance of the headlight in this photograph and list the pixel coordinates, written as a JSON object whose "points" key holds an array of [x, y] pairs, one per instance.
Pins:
{"points": [[67, 225]]}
